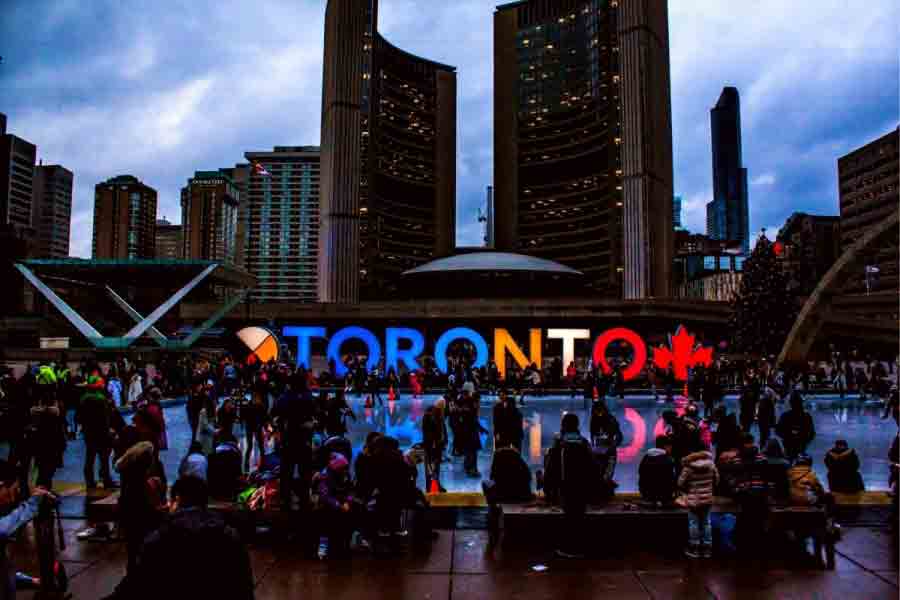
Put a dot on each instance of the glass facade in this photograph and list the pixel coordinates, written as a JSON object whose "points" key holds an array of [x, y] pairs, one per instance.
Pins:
{"points": [[282, 224]]}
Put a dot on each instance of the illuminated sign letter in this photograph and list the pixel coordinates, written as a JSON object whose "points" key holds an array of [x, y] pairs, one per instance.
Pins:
{"points": [[303, 335], [393, 353], [361, 333], [460, 333], [568, 337], [621, 333], [503, 342]]}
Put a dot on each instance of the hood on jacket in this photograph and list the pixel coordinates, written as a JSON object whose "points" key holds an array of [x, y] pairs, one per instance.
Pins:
{"points": [[142, 451], [699, 461], [840, 454], [338, 463]]}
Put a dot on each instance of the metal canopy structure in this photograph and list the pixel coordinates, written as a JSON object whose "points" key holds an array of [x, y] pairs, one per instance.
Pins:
{"points": [[140, 273]]}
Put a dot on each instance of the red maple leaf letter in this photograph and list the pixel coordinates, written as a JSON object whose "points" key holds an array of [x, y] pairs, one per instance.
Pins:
{"points": [[684, 354]]}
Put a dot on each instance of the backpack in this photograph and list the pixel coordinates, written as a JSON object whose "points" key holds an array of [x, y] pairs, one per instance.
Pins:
{"points": [[575, 466]]}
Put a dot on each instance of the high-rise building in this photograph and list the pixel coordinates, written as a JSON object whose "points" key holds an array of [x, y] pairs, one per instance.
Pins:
{"points": [[676, 212], [583, 139], [209, 217], [52, 210], [727, 216], [240, 176], [868, 183], [488, 218], [282, 228], [124, 219], [388, 157], [811, 244], [169, 240], [17, 158]]}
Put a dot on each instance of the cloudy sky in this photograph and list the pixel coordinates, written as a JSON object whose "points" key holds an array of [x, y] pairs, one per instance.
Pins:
{"points": [[160, 89]]}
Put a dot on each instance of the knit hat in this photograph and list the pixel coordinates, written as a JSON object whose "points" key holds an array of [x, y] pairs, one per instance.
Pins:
{"points": [[338, 462]]}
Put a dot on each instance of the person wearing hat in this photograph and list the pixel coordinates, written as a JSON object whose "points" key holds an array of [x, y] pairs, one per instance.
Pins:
{"points": [[806, 489]]}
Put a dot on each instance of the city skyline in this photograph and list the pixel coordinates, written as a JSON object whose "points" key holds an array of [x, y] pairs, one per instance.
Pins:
{"points": [[141, 107]]}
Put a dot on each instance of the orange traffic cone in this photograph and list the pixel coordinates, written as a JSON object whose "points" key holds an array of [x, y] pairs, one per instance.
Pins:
{"points": [[435, 488]]}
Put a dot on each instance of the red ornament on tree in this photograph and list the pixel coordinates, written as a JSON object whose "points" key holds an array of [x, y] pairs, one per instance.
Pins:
{"points": [[778, 247]]}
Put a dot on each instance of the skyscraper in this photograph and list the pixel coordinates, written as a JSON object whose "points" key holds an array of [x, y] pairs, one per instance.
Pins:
{"points": [[209, 217], [52, 210], [124, 219], [17, 158], [869, 179], [583, 139], [388, 157], [282, 223], [676, 212], [727, 215]]}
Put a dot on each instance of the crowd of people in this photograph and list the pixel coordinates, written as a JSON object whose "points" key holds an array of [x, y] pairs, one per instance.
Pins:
{"points": [[297, 456]]}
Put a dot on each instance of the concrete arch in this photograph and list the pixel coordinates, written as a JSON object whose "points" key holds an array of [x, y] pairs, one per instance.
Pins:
{"points": [[818, 305]]}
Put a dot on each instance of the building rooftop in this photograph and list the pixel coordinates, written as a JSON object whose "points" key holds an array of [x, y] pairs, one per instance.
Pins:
{"points": [[493, 261]]}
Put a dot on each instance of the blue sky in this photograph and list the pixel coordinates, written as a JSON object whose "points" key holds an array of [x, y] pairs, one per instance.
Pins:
{"points": [[110, 87]]}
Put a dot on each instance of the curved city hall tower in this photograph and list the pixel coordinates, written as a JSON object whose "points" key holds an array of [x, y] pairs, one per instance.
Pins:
{"points": [[388, 188], [583, 139]]}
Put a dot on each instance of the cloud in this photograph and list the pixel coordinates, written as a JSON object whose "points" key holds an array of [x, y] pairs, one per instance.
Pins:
{"points": [[764, 179], [104, 90]]}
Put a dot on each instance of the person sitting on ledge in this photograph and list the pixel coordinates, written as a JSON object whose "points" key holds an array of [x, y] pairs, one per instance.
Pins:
{"points": [[510, 478], [843, 469], [568, 464], [656, 473], [776, 469]]}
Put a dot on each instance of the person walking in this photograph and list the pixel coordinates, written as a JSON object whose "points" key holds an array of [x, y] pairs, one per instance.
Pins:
{"points": [[507, 419], [95, 422]]}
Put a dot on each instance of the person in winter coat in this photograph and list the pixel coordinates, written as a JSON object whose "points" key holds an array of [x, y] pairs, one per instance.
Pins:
{"points": [[765, 413], [14, 519], [192, 541], [194, 464], [510, 478], [434, 441], [336, 500], [141, 504], [698, 479], [114, 387], [255, 418], [155, 410], [806, 489], [843, 469], [135, 388], [568, 464], [507, 423], [206, 432], [777, 467], [656, 473], [796, 428], [94, 416], [364, 468]]}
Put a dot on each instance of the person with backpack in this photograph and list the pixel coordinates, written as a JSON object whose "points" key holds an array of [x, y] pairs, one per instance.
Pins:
{"points": [[656, 474], [698, 479], [843, 469], [569, 463], [796, 428], [434, 441]]}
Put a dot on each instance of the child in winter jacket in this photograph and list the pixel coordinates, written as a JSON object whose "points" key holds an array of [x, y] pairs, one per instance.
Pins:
{"points": [[656, 473], [335, 490], [698, 479]]}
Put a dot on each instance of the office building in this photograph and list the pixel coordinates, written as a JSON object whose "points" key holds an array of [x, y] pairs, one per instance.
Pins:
{"points": [[676, 212], [124, 219], [240, 176], [810, 245], [52, 210], [727, 216], [583, 139], [388, 158], [282, 228], [209, 217], [17, 159], [169, 241], [868, 184]]}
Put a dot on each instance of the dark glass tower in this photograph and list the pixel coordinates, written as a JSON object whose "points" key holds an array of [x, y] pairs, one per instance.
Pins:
{"points": [[727, 215], [583, 139]]}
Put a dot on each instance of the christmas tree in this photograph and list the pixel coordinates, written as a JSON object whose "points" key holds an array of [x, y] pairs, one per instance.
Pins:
{"points": [[762, 311]]}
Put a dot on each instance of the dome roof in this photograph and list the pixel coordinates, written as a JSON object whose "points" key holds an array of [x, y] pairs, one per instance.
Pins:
{"points": [[494, 262]]}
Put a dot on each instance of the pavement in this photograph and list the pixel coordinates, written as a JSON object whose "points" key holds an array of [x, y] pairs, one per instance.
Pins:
{"points": [[462, 565]]}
